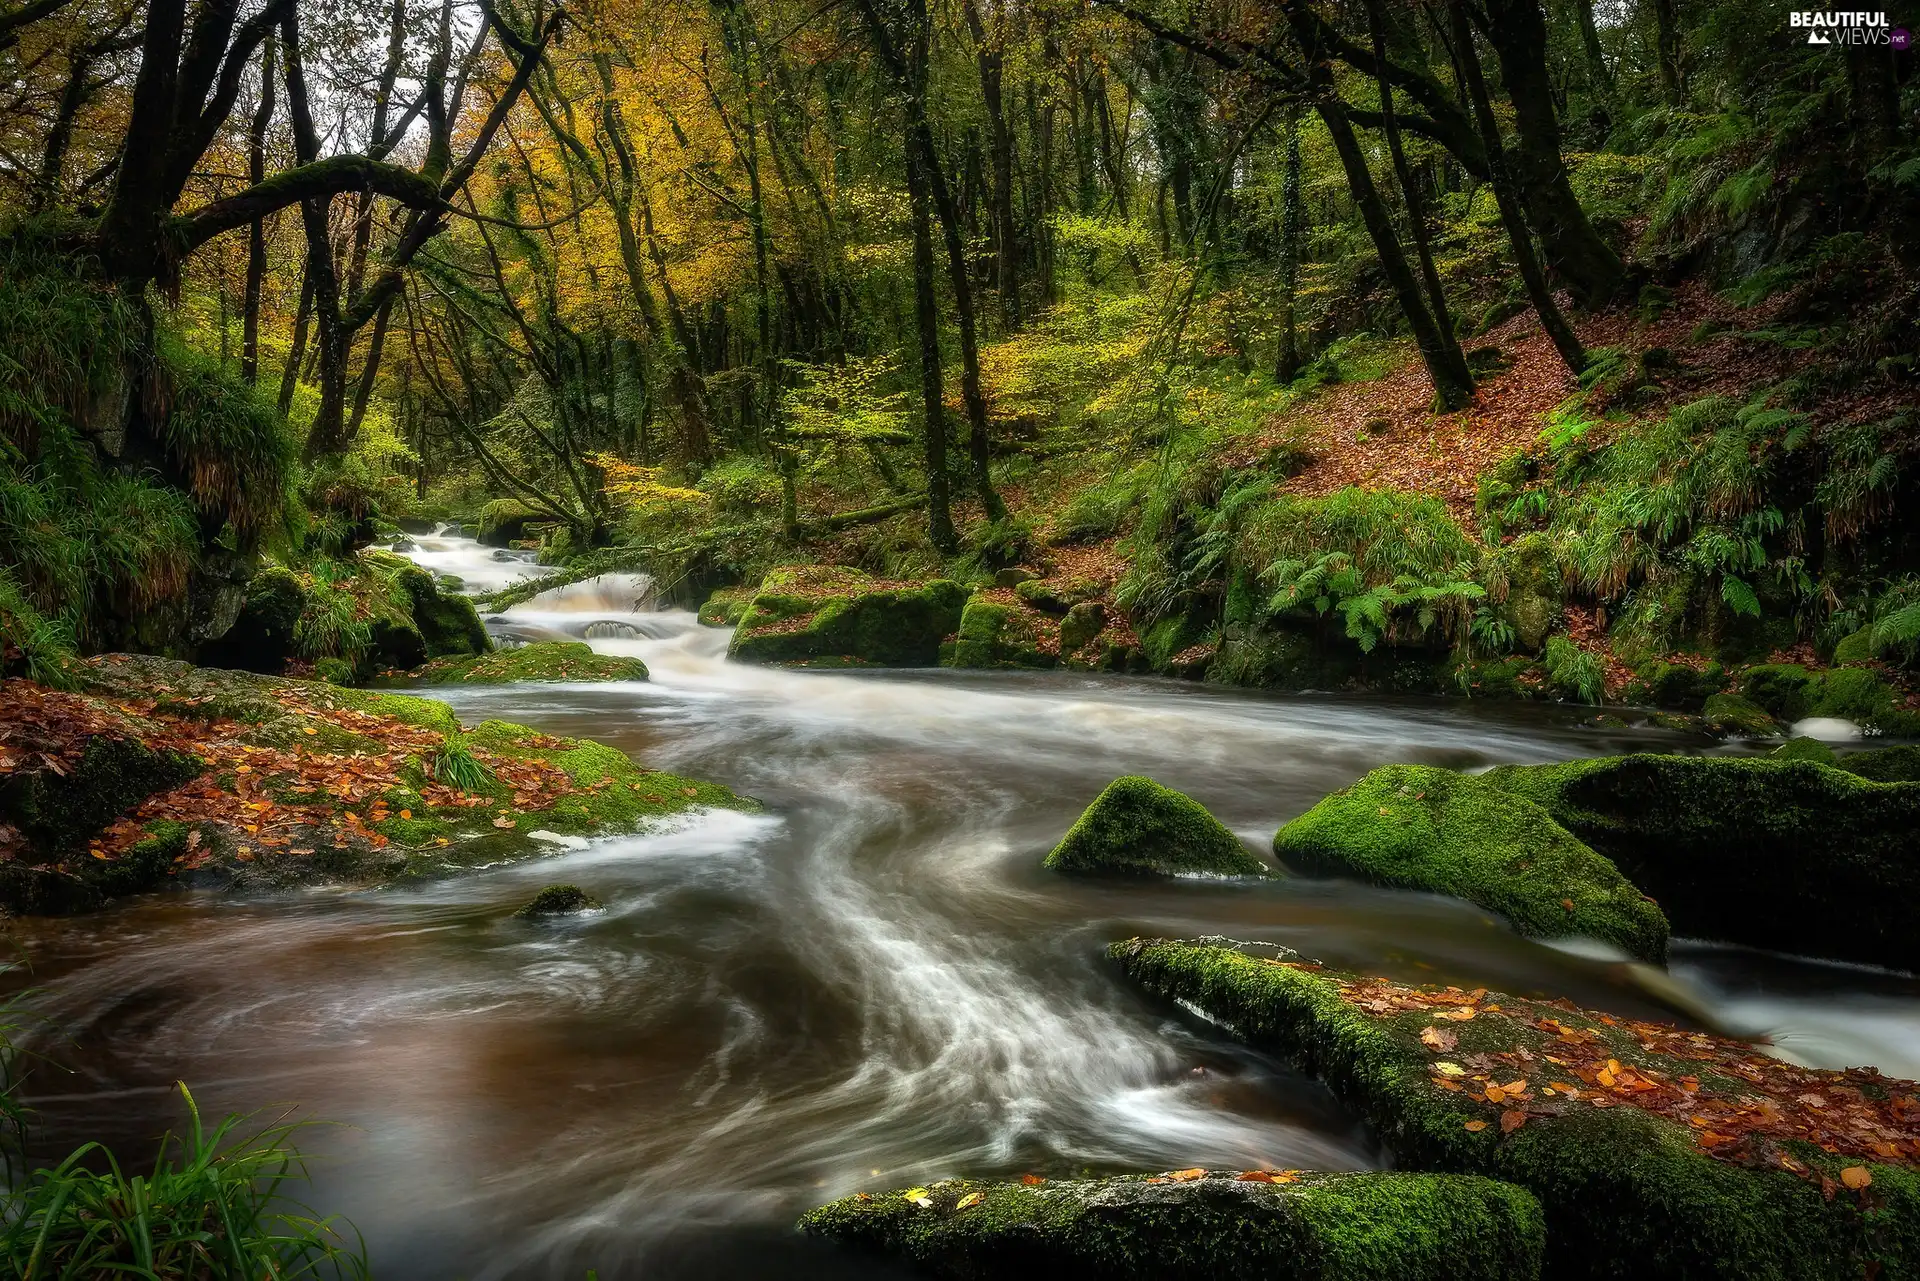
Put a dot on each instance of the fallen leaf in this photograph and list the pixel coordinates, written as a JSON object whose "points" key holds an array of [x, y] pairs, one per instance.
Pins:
{"points": [[919, 1197], [970, 1199], [1188, 1176], [1449, 1069], [1856, 1177], [1435, 1038], [1254, 1176], [1496, 1095], [1474, 1127], [503, 822], [1031, 1179], [1512, 1120]]}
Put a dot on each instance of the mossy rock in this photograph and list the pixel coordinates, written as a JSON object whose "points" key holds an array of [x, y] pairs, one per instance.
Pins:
{"points": [[802, 614], [1782, 854], [559, 900], [1625, 1192], [1217, 1227], [1737, 716], [1856, 647], [1057, 595], [726, 606], [1516, 678], [995, 634], [1678, 686], [448, 623], [1533, 605], [59, 811], [504, 521], [1417, 827], [1806, 749], [1792, 692], [539, 661], [261, 638], [1082, 623], [1897, 764], [1137, 827]]}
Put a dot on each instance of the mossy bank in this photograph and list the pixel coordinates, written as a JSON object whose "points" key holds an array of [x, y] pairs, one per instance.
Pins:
{"points": [[171, 775]]}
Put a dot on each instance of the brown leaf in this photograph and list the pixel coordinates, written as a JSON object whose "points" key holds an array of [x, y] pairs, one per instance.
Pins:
{"points": [[1474, 1127], [1434, 1038], [1856, 1177], [1512, 1120]]}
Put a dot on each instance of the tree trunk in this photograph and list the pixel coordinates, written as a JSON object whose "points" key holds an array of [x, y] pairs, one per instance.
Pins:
{"points": [[1409, 193], [1287, 364], [1474, 88], [1575, 251], [257, 230], [290, 374], [1666, 26], [926, 315], [1006, 244]]}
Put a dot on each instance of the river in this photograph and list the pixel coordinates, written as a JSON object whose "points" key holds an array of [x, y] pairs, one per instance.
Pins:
{"points": [[870, 984]]}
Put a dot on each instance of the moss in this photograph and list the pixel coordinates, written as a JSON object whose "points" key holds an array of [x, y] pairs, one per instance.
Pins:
{"points": [[617, 794], [559, 900], [448, 623], [261, 638], [1624, 1193], [1781, 854], [540, 661], [1856, 647], [813, 612], [726, 606], [1136, 826], [59, 811], [1496, 677], [423, 712], [1421, 828], [1897, 764], [1681, 687], [1806, 749], [1533, 603], [505, 520], [1321, 1227], [1082, 624], [993, 634], [1792, 693], [1057, 595], [1735, 715]]}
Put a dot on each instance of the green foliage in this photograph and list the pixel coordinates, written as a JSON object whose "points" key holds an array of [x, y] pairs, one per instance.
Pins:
{"points": [[215, 1206], [332, 623], [455, 765], [1395, 567], [1574, 672], [227, 439]]}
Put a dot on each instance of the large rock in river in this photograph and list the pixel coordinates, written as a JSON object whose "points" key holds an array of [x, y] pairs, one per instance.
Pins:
{"points": [[1788, 855], [1655, 1152], [1138, 827], [828, 615], [1421, 828], [1197, 1225]]}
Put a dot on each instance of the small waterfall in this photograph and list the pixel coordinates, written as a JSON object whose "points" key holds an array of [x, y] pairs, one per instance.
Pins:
{"points": [[601, 594]]}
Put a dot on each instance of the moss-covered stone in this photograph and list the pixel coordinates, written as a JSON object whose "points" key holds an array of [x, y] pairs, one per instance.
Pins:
{"points": [[448, 623], [1782, 854], [1806, 749], [726, 606], [1533, 601], [1057, 595], [1792, 692], [504, 521], [1734, 715], [1138, 827], [60, 809], [998, 634], [261, 638], [1082, 623], [1625, 1193], [538, 661], [1684, 688], [559, 900], [1421, 828], [1318, 1227], [811, 612], [1897, 764]]}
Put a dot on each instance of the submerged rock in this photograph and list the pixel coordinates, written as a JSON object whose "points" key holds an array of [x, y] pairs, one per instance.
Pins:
{"points": [[539, 661], [1138, 827], [1198, 1225], [1582, 1109], [821, 614], [1788, 855], [559, 900], [1420, 828]]}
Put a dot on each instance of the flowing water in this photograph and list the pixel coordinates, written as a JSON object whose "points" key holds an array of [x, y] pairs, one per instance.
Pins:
{"points": [[869, 984]]}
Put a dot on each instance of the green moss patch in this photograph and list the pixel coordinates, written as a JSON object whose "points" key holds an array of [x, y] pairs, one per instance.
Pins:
{"points": [[998, 630], [539, 661], [1792, 692], [559, 900], [1421, 828], [1897, 764], [1789, 855], [813, 612], [1199, 1225], [1580, 1108], [1137, 827], [726, 606]]}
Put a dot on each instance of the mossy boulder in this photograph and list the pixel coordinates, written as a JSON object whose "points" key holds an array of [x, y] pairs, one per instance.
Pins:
{"points": [[1082, 623], [538, 661], [1792, 692], [1897, 764], [261, 638], [1625, 1191], [1782, 854], [1194, 1226], [1057, 595], [559, 900], [1421, 828], [997, 633], [825, 614], [58, 810], [726, 606], [1737, 716], [1137, 827], [1683, 688], [447, 622], [1806, 749], [504, 522], [1533, 601]]}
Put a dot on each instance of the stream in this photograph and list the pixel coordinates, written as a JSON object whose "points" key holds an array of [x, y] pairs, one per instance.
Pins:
{"points": [[868, 985]]}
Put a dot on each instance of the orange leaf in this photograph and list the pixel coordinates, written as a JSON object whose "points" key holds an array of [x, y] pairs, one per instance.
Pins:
{"points": [[1474, 1127], [1031, 1179], [1254, 1176], [1856, 1177], [1512, 1120], [1187, 1176], [503, 822]]}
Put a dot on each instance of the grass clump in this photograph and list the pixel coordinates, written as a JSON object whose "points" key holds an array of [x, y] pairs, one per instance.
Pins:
{"points": [[455, 765]]}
